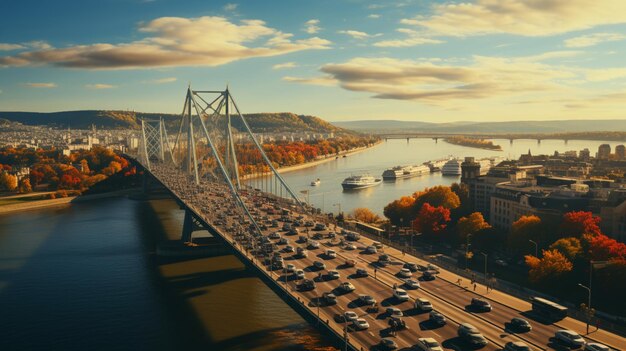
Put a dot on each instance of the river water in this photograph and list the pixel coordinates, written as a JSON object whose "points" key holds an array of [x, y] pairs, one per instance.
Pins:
{"points": [[85, 276]]}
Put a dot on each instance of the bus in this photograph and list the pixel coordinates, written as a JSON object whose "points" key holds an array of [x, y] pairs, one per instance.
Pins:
{"points": [[548, 309]]}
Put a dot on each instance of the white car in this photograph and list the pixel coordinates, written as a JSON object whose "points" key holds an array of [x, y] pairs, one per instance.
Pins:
{"points": [[331, 253], [394, 312], [401, 294], [360, 324], [594, 346], [347, 286], [412, 284], [569, 338], [350, 247], [314, 245], [423, 305], [371, 250], [377, 245], [333, 274], [428, 344], [290, 268], [299, 274], [405, 273], [350, 316]]}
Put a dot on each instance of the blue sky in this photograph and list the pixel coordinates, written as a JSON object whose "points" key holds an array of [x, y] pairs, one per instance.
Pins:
{"points": [[438, 61]]}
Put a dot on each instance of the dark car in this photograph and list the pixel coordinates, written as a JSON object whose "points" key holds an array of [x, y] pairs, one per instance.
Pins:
{"points": [[329, 298], [383, 260], [479, 304], [437, 318], [361, 273], [476, 339], [306, 284], [520, 324], [413, 267], [428, 275]]}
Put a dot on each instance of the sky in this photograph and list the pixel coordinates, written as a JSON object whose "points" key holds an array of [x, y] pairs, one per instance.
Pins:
{"points": [[414, 60]]}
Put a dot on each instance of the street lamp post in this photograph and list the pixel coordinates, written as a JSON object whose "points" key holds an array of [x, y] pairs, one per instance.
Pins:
{"points": [[536, 248], [484, 254], [588, 304]]}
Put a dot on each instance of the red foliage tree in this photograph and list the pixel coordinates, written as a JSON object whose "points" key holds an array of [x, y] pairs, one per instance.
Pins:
{"points": [[577, 223], [602, 248], [431, 220]]}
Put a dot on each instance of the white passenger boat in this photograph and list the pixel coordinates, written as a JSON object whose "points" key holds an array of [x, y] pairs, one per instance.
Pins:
{"points": [[360, 182]]}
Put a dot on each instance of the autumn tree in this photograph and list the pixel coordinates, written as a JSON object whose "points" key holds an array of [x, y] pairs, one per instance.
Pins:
{"points": [[400, 211], [85, 166], [577, 223], [8, 182], [437, 196], [365, 215], [552, 265], [602, 248], [569, 247], [431, 220], [462, 191], [24, 186], [524, 229], [471, 224]]}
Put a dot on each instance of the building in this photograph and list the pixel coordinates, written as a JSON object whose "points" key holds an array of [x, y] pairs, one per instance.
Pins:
{"points": [[604, 152], [620, 152], [585, 155]]}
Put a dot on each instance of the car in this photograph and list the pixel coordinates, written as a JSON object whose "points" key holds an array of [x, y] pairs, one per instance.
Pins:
{"points": [[360, 272], [303, 239], [400, 294], [367, 300], [377, 245], [520, 324], [516, 346], [319, 265], [467, 329], [293, 231], [432, 267], [396, 323], [290, 268], [479, 304], [283, 241], [349, 247], [329, 298], [594, 346], [298, 223], [299, 274], [277, 264], [423, 304], [306, 284], [412, 284], [332, 274], [437, 318], [569, 338], [412, 266], [319, 226], [428, 344], [370, 250], [388, 344], [314, 245], [331, 254], [288, 248], [405, 273], [428, 275], [352, 236], [383, 260], [501, 263], [317, 236], [394, 311], [302, 253], [475, 340], [350, 263], [309, 224], [274, 235], [347, 287], [286, 227], [360, 324], [350, 316]]}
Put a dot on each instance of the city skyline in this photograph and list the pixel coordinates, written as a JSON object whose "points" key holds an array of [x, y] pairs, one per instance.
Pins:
{"points": [[348, 60]]}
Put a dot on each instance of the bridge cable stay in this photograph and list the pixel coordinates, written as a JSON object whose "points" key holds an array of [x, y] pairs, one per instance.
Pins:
{"points": [[154, 142]]}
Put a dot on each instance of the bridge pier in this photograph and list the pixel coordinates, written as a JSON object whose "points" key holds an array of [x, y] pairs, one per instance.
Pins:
{"points": [[538, 141], [510, 141], [190, 225], [145, 183]]}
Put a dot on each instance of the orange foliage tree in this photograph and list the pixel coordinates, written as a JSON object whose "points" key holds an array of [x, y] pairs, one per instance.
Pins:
{"points": [[569, 247], [436, 196], [471, 224], [524, 229], [577, 223], [431, 220], [365, 215], [552, 265], [400, 211]]}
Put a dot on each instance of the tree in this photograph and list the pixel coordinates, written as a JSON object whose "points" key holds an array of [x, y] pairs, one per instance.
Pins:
{"points": [[24, 185], [365, 215], [569, 247], [8, 182], [577, 223], [551, 266], [602, 248], [84, 166], [436, 196], [471, 224], [524, 229], [400, 211], [431, 220]]}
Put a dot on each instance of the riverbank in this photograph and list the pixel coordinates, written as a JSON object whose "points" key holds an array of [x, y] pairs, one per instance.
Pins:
{"points": [[63, 201], [474, 144]]}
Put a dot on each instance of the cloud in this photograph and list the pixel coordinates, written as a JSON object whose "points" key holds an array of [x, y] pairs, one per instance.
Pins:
{"points": [[357, 34], [312, 26], [176, 41], [9, 47], [414, 38], [41, 85], [323, 81], [99, 86], [230, 7], [520, 17], [285, 65], [485, 77], [593, 39], [163, 80], [374, 16]]}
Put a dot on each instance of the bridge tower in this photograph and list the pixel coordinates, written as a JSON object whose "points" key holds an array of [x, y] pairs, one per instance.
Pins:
{"points": [[154, 145]]}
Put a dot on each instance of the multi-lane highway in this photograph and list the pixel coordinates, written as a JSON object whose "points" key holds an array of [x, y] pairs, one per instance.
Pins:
{"points": [[214, 204]]}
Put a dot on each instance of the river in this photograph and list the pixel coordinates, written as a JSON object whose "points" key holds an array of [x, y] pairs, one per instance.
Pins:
{"points": [[85, 276]]}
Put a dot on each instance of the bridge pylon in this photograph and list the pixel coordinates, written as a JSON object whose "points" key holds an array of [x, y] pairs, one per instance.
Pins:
{"points": [[154, 144]]}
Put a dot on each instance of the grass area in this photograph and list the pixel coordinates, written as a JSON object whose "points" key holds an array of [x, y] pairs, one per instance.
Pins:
{"points": [[17, 200]]}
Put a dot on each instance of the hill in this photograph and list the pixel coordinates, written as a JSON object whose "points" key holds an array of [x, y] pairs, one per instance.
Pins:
{"points": [[563, 126], [111, 119]]}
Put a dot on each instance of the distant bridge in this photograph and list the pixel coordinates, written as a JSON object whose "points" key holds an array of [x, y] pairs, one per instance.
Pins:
{"points": [[437, 136]]}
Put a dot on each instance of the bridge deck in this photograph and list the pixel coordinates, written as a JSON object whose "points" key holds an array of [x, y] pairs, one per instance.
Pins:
{"points": [[213, 203]]}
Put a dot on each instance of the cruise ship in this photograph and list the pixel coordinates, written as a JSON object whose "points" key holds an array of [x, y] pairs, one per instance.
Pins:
{"points": [[435, 166], [398, 172], [360, 182], [451, 168]]}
